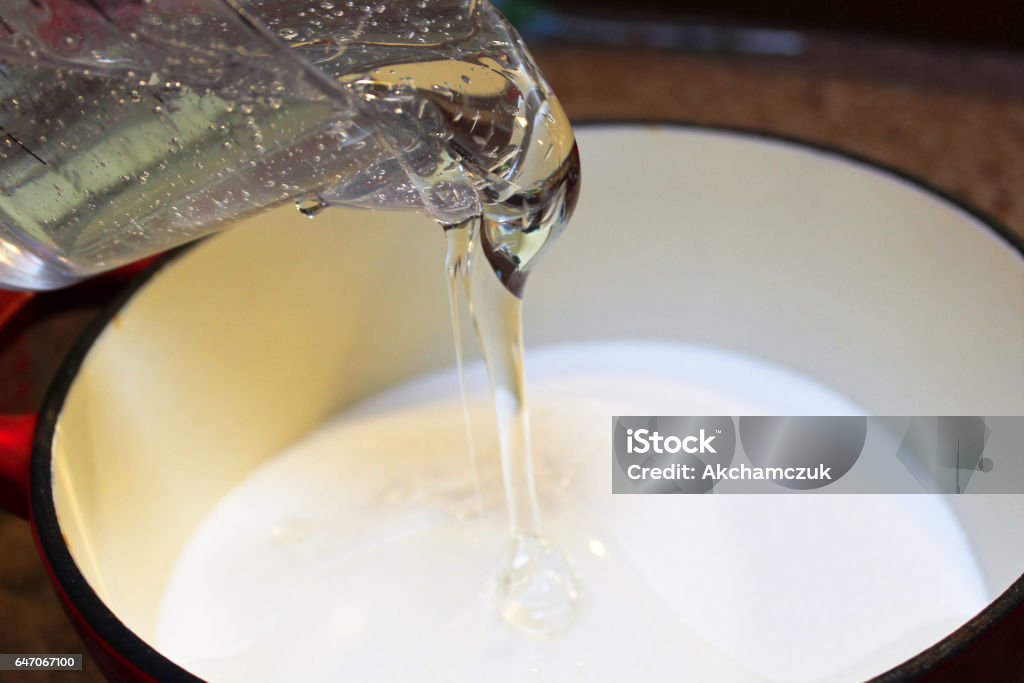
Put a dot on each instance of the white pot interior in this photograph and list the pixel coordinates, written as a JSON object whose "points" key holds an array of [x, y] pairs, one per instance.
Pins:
{"points": [[895, 299]]}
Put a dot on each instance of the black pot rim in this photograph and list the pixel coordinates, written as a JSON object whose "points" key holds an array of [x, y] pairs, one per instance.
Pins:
{"points": [[108, 627]]}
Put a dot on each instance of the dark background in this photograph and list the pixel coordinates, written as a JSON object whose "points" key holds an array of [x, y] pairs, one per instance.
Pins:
{"points": [[993, 23]]}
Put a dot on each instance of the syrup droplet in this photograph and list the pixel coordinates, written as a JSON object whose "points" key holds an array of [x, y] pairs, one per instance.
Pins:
{"points": [[309, 205]]}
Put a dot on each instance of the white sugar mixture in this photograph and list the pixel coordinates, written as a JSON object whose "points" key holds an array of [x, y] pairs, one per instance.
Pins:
{"points": [[361, 552]]}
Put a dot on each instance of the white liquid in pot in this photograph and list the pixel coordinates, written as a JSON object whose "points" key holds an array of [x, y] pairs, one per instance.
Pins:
{"points": [[358, 554]]}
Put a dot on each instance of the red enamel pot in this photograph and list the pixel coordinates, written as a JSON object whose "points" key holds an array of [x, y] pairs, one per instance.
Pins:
{"points": [[209, 362]]}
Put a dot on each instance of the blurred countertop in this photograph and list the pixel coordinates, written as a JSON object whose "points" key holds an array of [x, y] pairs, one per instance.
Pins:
{"points": [[951, 117]]}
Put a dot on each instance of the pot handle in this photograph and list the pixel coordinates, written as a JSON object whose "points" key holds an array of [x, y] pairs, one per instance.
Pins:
{"points": [[16, 432]]}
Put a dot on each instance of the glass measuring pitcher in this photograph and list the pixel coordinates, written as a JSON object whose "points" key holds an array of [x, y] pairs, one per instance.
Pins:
{"points": [[131, 126]]}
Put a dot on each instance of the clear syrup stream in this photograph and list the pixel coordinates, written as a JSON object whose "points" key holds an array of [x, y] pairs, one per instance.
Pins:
{"points": [[536, 591]]}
